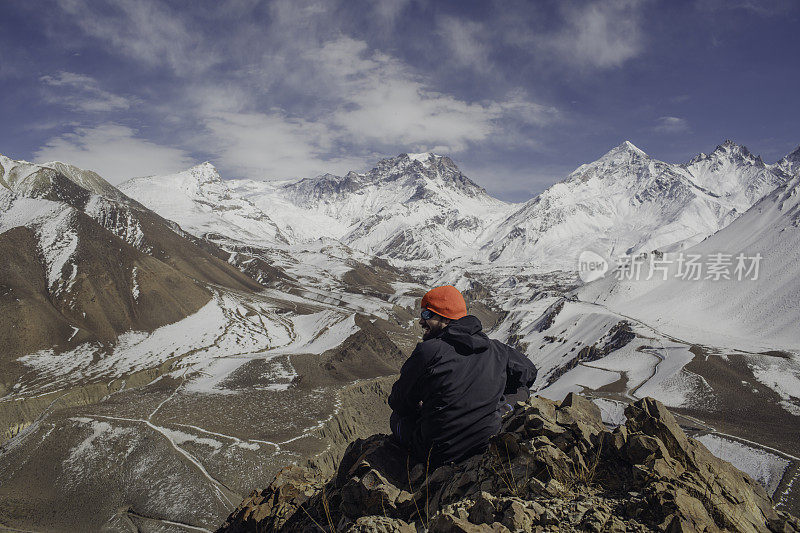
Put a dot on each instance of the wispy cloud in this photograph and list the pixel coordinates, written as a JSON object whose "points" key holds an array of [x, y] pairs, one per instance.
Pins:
{"points": [[671, 125], [272, 145], [375, 105], [113, 151], [467, 41], [387, 12], [600, 34], [302, 95], [382, 102], [81, 92], [143, 30]]}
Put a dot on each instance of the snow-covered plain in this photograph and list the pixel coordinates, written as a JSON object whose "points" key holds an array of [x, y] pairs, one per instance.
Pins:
{"points": [[649, 365], [782, 376], [764, 467]]}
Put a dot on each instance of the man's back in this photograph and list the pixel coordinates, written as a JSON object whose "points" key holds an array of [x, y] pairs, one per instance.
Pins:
{"points": [[450, 390]]}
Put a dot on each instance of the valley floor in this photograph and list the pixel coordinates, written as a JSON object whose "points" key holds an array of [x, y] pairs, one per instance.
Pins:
{"points": [[169, 431], [227, 411]]}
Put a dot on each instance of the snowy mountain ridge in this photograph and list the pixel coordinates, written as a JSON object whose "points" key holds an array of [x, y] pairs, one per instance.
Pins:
{"points": [[758, 310], [417, 208], [789, 164], [627, 202], [205, 205], [406, 209]]}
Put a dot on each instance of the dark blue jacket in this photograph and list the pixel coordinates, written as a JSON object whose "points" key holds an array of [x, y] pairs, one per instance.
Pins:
{"points": [[452, 390]]}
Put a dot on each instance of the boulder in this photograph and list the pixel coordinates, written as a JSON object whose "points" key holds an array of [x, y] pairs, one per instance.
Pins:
{"points": [[447, 523], [380, 524], [483, 510], [267, 510]]}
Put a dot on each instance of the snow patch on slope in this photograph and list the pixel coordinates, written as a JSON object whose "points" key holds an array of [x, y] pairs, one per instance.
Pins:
{"points": [[764, 467], [782, 376], [58, 241]]}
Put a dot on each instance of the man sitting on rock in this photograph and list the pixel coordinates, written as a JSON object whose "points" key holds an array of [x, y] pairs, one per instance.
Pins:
{"points": [[456, 385]]}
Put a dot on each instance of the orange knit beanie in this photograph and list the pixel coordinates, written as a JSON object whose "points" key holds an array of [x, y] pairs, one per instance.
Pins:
{"points": [[445, 301]]}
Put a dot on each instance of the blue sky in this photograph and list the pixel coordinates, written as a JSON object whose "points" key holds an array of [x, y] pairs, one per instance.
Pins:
{"points": [[518, 93]]}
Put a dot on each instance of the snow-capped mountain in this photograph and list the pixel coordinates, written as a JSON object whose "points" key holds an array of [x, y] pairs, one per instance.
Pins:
{"points": [[626, 202], [202, 203], [408, 208], [749, 300], [417, 208], [789, 164], [107, 302], [413, 207], [733, 175]]}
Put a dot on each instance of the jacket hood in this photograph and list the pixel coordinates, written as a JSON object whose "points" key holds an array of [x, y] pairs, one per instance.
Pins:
{"points": [[466, 332]]}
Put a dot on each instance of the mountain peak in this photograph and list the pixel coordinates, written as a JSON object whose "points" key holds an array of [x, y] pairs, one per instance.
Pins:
{"points": [[205, 166], [732, 147], [627, 145], [423, 157], [790, 163], [205, 172], [426, 159], [727, 150], [626, 149]]}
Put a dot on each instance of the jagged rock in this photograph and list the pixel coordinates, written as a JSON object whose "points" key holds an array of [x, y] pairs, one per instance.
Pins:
{"points": [[447, 523], [267, 510], [552, 466], [482, 511], [380, 524], [650, 417], [517, 517], [370, 493], [375, 452]]}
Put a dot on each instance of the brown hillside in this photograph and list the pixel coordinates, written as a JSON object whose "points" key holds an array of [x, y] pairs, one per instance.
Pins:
{"points": [[100, 302]]}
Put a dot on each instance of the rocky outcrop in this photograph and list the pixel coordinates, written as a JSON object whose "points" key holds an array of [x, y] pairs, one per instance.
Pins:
{"points": [[617, 337], [553, 467]]}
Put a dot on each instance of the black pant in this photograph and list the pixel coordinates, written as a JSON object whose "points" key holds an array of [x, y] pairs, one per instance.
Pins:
{"points": [[403, 428]]}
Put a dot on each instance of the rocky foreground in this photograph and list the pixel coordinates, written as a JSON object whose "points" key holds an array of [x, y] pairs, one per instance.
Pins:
{"points": [[552, 468]]}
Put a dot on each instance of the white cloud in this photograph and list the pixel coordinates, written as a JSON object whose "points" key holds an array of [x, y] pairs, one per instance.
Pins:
{"points": [[383, 102], [81, 92], [518, 105], [272, 146], [374, 104], [671, 125], [114, 152], [766, 8], [145, 31], [388, 11], [599, 34], [297, 96]]}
